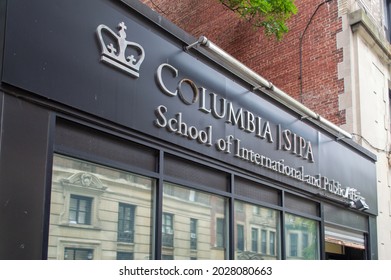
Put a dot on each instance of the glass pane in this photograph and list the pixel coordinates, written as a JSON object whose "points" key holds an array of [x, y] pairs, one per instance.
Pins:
{"points": [[126, 216], [301, 237], [240, 239], [264, 242], [254, 240], [260, 232], [82, 205], [82, 218], [78, 254], [272, 245], [124, 256], [72, 217], [193, 234], [80, 210], [99, 210], [193, 224]]}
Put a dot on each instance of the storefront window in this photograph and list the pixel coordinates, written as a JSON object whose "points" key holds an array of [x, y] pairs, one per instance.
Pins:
{"points": [[301, 238], [193, 224], [256, 232], [98, 212]]}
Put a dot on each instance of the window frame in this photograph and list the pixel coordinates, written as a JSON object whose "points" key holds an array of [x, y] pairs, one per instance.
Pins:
{"points": [[254, 240], [225, 241], [293, 244], [124, 255], [90, 252], [264, 242], [167, 230], [193, 234], [121, 222], [240, 240], [272, 243], [78, 211], [220, 232]]}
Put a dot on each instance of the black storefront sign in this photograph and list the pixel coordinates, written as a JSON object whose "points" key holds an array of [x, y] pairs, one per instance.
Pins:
{"points": [[104, 59]]}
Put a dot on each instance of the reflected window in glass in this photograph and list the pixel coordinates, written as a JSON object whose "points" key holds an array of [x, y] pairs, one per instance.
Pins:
{"points": [[302, 238], [193, 224], [261, 227], [80, 210], [78, 254], [126, 214], [167, 230], [94, 206]]}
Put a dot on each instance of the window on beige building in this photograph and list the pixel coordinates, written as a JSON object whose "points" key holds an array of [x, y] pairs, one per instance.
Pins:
{"points": [[80, 210]]}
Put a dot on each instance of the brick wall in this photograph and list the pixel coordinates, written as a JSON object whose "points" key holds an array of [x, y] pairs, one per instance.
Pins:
{"points": [[277, 61]]}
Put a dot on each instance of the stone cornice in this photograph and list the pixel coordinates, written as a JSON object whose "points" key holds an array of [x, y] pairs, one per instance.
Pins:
{"points": [[359, 22]]}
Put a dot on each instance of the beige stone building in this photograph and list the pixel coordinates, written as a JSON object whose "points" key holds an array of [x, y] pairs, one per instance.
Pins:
{"points": [[365, 40]]}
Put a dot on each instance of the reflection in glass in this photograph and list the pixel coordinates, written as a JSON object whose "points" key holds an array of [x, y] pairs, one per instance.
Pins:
{"points": [[126, 216], [167, 230], [80, 210], [256, 232], [301, 237], [78, 254], [193, 224], [254, 240], [220, 232], [193, 234], [98, 212], [240, 233]]}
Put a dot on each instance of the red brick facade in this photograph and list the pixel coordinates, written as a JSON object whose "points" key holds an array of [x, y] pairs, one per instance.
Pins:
{"points": [[277, 61]]}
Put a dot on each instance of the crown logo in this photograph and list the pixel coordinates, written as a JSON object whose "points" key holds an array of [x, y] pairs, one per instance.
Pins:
{"points": [[117, 51]]}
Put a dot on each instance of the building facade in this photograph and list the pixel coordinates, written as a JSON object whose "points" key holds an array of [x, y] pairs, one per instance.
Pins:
{"points": [[121, 139], [335, 60]]}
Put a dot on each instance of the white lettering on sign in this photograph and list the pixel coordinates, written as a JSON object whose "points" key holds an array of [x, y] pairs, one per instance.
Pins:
{"points": [[178, 126], [247, 121], [220, 108]]}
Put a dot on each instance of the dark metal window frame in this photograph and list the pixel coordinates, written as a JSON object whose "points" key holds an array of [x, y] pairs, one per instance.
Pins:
{"points": [[161, 178]]}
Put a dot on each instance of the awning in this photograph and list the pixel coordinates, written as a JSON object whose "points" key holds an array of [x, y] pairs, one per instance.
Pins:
{"points": [[345, 237]]}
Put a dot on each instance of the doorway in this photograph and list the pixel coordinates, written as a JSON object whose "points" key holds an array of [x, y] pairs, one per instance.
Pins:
{"points": [[342, 252], [344, 243]]}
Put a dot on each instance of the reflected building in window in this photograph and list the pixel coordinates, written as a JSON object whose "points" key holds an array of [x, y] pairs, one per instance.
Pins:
{"points": [[256, 232], [108, 214], [302, 240], [195, 226], [98, 212]]}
